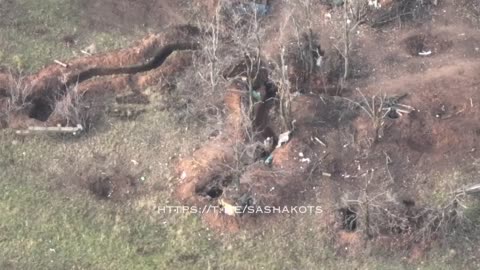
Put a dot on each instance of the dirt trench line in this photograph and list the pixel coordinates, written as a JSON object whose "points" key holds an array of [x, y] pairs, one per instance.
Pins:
{"points": [[43, 89]]}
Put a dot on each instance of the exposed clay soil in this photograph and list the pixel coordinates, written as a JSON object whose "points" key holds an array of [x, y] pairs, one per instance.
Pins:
{"points": [[435, 65], [45, 89], [333, 150]]}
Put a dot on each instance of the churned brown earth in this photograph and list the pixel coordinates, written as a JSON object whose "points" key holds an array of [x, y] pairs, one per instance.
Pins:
{"points": [[382, 153]]}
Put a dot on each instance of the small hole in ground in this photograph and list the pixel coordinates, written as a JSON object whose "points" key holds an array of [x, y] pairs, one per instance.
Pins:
{"points": [[102, 188], [42, 109], [214, 192], [408, 202], [348, 218], [117, 186], [214, 188], [393, 114], [227, 181], [416, 44]]}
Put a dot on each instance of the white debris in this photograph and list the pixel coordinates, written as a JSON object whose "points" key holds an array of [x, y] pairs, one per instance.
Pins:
{"points": [[320, 142], [425, 53], [319, 61], [374, 3], [183, 176], [228, 208], [300, 154], [92, 49], [307, 160], [134, 162], [283, 138]]}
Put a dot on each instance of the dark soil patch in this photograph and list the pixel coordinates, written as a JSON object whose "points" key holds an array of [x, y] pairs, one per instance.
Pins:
{"points": [[42, 109], [103, 179], [117, 187], [348, 218], [215, 186], [426, 45]]}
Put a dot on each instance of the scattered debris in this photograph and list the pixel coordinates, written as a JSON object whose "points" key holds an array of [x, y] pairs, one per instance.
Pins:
{"points": [[425, 53], [268, 144], [91, 49], [374, 3], [283, 138], [319, 61], [228, 208], [319, 141], [471, 190], [269, 159], [60, 63], [85, 52], [73, 130], [307, 160], [394, 109]]}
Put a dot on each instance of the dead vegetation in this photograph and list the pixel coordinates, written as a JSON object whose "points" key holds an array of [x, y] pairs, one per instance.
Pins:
{"points": [[384, 214], [55, 82], [276, 128]]}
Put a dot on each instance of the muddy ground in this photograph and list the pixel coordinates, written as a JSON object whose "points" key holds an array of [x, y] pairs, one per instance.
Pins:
{"points": [[382, 153]]}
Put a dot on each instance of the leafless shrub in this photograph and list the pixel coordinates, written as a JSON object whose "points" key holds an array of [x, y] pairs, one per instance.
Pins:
{"points": [[471, 9], [248, 39], [374, 108], [232, 52], [303, 52], [68, 109], [376, 213], [384, 214], [19, 91], [357, 11], [280, 77], [210, 52], [402, 11], [354, 13], [307, 42], [226, 45]]}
